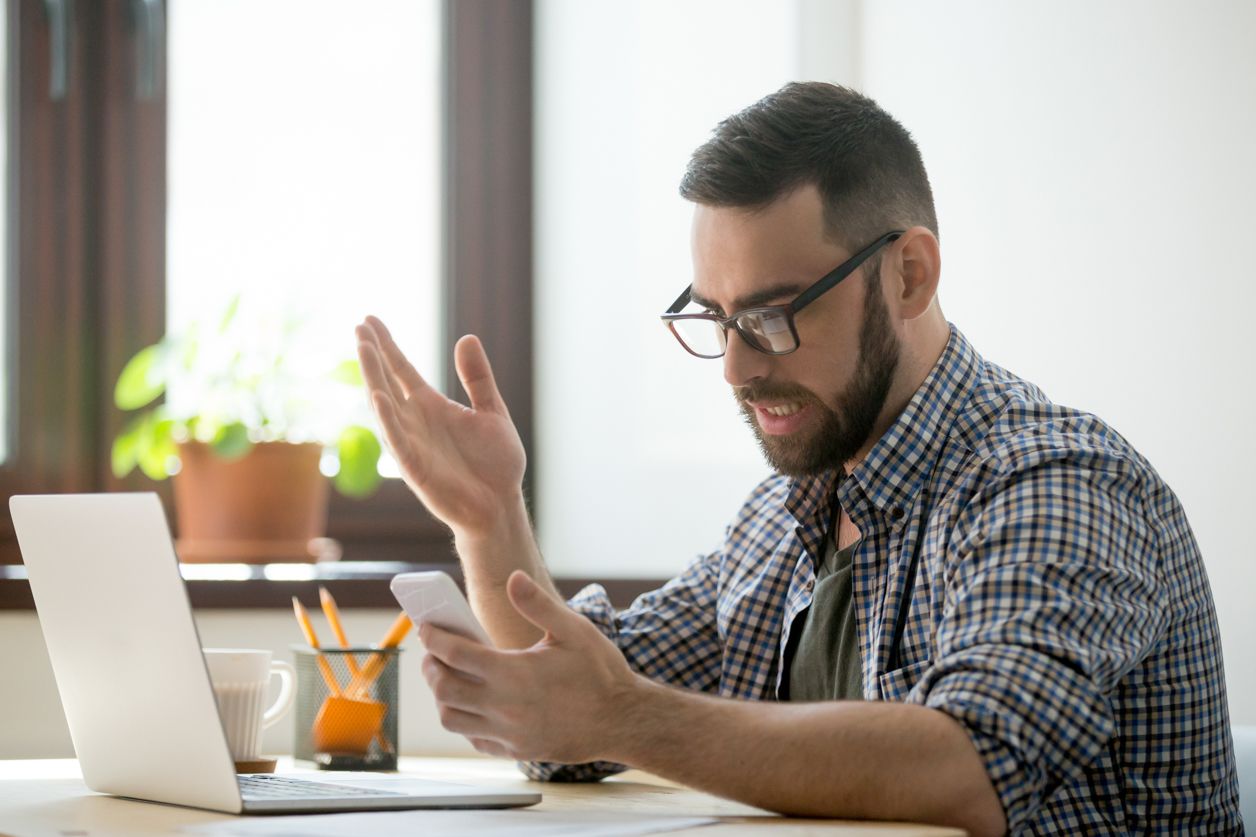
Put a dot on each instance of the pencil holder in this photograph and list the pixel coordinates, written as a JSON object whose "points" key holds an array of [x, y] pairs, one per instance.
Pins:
{"points": [[346, 707]]}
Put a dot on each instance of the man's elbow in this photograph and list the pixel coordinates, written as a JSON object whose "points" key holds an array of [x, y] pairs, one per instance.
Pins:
{"points": [[984, 823], [977, 809]]}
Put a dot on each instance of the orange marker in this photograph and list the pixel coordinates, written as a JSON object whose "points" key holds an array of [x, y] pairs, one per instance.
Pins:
{"points": [[303, 619], [333, 618]]}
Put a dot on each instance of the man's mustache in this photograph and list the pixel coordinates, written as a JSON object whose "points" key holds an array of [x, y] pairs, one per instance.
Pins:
{"points": [[773, 392]]}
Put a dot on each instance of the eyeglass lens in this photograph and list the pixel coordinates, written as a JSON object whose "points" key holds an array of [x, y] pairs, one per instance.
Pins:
{"points": [[769, 330], [766, 330]]}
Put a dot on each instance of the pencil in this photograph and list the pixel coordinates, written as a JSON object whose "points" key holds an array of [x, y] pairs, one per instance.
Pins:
{"points": [[307, 628], [375, 665], [333, 618]]}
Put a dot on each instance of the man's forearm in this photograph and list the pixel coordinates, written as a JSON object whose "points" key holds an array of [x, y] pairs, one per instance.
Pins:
{"points": [[488, 558], [835, 759]]}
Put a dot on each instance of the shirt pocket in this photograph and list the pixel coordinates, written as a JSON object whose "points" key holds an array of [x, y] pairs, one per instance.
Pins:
{"points": [[896, 684]]}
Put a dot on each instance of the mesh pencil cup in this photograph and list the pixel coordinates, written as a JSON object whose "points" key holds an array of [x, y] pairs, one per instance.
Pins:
{"points": [[346, 707]]}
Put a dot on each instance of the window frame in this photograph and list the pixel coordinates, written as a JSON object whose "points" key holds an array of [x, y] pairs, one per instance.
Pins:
{"points": [[86, 279]]}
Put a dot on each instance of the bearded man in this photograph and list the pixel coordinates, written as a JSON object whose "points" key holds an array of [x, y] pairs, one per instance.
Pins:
{"points": [[953, 602]]}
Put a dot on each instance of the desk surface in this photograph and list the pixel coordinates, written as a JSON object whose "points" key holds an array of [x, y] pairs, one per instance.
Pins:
{"points": [[47, 798]]}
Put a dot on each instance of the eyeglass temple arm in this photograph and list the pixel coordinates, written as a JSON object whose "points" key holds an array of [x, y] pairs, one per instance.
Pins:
{"points": [[849, 267], [681, 301]]}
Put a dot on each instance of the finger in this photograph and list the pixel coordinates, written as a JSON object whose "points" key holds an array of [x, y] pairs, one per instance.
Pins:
{"points": [[489, 747], [372, 363], [538, 606], [411, 381], [463, 723], [476, 374], [404, 445], [452, 689], [459, 653]]}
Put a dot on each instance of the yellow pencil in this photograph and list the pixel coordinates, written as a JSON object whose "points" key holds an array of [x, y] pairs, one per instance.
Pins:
{"points": [[333, 618], [375, 665], [307, 628]]}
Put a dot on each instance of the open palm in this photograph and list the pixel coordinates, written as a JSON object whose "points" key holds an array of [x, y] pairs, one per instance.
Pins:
{"points": [[464, 463]]}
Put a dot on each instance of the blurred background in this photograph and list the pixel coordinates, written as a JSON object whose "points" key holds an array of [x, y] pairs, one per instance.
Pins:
{"points": [[510, 168]]}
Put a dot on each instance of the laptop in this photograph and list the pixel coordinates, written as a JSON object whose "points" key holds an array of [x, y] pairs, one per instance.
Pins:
{"points": [[133, 682]]}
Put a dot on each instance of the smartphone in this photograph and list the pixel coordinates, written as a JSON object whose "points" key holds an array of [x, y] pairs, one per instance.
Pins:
{"points": [[434, 597]]}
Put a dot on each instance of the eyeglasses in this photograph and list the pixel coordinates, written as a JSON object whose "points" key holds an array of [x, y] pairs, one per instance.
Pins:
{"points": [[768, 329]]}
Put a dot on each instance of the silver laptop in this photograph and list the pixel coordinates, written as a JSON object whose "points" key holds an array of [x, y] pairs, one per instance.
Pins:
{"points": [[133, 682]]}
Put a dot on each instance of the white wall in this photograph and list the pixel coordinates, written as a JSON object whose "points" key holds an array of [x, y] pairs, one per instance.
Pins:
{"points": [[1094, 175], [642, 456]]}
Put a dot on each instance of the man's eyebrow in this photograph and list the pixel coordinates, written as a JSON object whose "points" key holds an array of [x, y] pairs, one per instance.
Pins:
{"points": [[754, 300]]}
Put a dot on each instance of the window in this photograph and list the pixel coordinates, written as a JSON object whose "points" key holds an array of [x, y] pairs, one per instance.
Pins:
{"points": [[327, 207], [96, 233], [6, 75]]}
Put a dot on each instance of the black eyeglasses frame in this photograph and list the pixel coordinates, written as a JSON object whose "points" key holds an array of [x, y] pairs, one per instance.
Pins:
{"points": [[824, 284]]}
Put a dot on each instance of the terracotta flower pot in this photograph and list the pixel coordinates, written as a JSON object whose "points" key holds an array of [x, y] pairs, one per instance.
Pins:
{"points": [[267, 506]]}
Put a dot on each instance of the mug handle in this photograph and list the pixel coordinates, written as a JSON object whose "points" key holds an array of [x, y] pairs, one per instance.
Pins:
{"points": [[287, 676]]}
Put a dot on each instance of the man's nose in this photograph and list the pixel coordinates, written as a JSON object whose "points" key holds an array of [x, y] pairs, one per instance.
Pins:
{"points": [[742, 364]]}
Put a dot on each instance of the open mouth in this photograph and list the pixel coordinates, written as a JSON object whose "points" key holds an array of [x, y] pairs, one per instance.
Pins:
{"points": [[780, 419]]}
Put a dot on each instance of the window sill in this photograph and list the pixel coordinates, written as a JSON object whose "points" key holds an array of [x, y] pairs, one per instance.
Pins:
{"points": [[355, 584]]}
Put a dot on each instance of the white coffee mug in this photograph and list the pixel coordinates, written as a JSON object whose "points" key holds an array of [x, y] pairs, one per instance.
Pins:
{"points": [[240, 677]]}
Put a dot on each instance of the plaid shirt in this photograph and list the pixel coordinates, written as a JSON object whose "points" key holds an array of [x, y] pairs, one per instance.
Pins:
{"points": [[1060, 614]]}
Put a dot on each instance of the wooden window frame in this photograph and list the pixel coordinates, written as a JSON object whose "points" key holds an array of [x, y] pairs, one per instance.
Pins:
{"points": [[86, 279]]}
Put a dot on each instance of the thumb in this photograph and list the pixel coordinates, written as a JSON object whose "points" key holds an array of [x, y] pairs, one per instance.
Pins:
{"points": [[471, 362], [536, 605]]}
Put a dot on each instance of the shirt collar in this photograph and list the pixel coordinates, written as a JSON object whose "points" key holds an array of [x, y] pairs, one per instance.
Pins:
{"points": [[892, 474], [896, 467]]}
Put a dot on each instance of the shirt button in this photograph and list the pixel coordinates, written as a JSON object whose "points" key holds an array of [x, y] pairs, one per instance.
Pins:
{"points": [[809, 586], [897, 513]]}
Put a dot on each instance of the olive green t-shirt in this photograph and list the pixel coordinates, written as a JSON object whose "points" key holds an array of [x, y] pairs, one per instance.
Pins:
{"points": [[826, 663]]}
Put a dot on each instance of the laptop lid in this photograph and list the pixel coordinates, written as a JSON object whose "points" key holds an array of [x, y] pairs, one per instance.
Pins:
{"points": [[124, 648], [134, 685]]}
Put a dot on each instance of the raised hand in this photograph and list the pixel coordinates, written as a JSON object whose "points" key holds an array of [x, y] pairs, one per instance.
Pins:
{"points": [[465, 464]]}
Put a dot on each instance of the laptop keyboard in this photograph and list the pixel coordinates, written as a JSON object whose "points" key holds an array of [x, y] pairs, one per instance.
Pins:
{"points": [[269, 786]]}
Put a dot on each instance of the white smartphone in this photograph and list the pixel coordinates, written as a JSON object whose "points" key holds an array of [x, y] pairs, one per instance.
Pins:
{"points": [[434, 597]]}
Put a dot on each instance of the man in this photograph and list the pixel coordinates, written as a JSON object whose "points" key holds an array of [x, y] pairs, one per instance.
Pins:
{"points": [[955, 602]]}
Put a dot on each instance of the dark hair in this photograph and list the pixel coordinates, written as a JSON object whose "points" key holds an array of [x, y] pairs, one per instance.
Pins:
{"points": [[865, 164]]}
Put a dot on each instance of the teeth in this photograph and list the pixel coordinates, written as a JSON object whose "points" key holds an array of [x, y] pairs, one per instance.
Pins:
{"points": [[784, 410]]}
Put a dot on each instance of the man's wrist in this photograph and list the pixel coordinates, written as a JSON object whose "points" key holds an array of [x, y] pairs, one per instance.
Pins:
{"points": [[639, 720], [500, 536], [490, 555]]}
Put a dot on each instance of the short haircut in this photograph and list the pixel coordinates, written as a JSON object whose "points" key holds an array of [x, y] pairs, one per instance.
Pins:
{"points": [[864, 163]]}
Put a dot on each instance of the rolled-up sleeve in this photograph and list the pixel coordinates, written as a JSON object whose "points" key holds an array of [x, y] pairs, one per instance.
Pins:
{"points": [[1054, 596], [669, 635]]}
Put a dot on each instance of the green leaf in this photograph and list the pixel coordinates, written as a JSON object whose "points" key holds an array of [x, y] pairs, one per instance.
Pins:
{"points": [[231, 441], [141, 380], [348, 372], [155, 446], [359, 452], [124, 457]]}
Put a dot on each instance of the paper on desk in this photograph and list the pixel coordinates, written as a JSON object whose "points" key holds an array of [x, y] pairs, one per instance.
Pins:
{"points": [[520, 823]]}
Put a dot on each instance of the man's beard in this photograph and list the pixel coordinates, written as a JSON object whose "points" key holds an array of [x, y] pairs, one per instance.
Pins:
{"points": [[845, 427]]}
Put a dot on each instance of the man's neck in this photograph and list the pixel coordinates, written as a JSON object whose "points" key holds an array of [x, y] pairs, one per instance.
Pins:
{"points": [[920, 354]]}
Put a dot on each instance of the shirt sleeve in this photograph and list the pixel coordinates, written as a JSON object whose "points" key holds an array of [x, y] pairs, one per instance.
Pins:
{"points": [[669, 635], [1055, 594]]}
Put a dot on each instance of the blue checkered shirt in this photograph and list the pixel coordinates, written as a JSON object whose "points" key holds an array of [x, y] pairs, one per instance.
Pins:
{"points": [[1061, 612]]}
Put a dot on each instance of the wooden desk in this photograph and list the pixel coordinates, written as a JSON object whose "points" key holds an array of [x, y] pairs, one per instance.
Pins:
{"points": [[47, 798]]}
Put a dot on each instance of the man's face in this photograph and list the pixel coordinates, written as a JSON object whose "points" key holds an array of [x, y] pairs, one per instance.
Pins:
{"points": [[815, 409]]}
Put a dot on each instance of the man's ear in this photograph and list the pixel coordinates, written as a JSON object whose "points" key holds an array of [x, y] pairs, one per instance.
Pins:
{"points": [[917, 266]]}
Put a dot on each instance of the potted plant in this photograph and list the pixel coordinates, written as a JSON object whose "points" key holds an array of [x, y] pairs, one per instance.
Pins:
{"points": [[255, 413]]}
